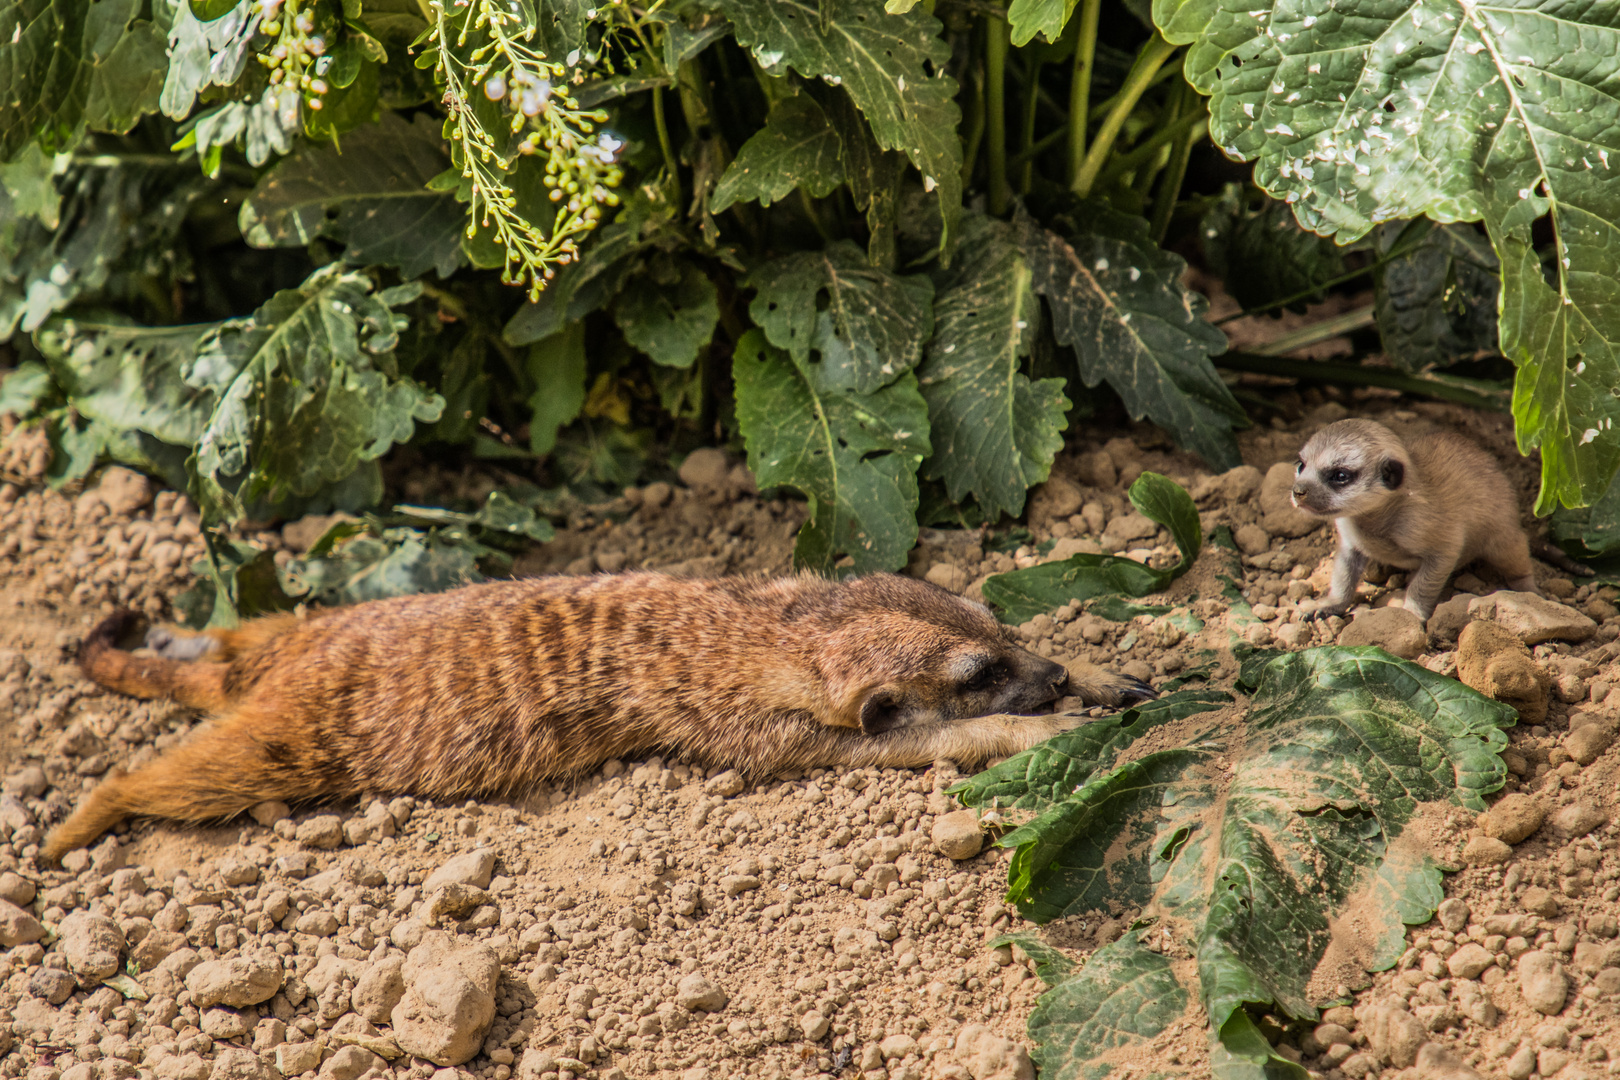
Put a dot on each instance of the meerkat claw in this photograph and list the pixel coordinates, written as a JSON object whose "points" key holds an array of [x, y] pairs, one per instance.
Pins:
{"points": [[1136, 691]]}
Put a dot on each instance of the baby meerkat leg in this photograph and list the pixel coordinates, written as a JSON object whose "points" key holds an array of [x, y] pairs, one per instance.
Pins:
{"points": [[174, 643], [977, 739], [1423, 587], [1509, 553], [1348, 568]]}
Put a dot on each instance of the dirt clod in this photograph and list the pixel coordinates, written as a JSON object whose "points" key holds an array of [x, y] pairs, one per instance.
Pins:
{"points": [[1514, 818], [1492, 660], [1395, 630], [957, 835], [1542, 982]]}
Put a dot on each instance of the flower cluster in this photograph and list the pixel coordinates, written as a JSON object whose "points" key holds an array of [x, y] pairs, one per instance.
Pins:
{"points": [[298, 59]]}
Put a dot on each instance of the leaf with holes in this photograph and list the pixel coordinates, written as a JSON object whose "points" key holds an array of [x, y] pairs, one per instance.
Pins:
{"points": [[892, 65], [1241, 836], [1436, 304], [1262, 255], [994, 430], [372, 198], [1369, 112], [670, 313], [870, 331], [796, 148], [854, 455], [1117, 298]]}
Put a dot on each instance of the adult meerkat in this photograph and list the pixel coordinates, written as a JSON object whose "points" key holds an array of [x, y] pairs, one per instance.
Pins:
{"points": [[1429, 505], [492, 688]]}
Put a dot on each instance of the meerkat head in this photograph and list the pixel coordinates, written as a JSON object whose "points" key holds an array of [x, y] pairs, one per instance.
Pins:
{"points": [[901, 652], [1348, 468]]}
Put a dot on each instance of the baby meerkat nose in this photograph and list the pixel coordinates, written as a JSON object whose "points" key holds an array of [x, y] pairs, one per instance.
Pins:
{"points": [[1299, 489]]}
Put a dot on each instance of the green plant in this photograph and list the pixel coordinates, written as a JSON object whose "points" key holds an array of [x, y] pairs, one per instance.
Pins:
{"points": [[895, 251]]}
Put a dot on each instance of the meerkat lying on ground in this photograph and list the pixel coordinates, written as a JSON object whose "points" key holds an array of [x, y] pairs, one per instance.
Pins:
{"points": [[1429, 505], [492, 688]]}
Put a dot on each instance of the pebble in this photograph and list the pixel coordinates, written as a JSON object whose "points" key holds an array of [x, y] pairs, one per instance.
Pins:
{"points": [[124, 491], [1393, 1034], [989, 1056], [1395, 630], [17, 927], [16, 889], [234, 1063], [1486, 851], [725, 785], [52, 984], [1514, 818], [1251, 539], [1449, 618], [1470, 961], [1493, 661], [951, 578], [1542, 982], [1578, 819], [814, 1026], [472, 868], [957, 835], [1055, 500], [238, 981], [449, 1000], [1587, 743], [379, 990], [1539, 901], [322, 832], [92, 946], [1533, 619], [694, 993]]}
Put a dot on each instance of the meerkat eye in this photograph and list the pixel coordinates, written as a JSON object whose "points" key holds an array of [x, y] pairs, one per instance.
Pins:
{"points": [[1299, 466], [988, 675], [1339, 477]]}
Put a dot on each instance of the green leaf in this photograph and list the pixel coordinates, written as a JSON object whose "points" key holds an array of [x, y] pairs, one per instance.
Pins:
{"points": [[854, 455], [371, 197], [205, 50], [23, 388], [670, 313], [1244, 837], [381, 564], [1263, 256], [1045, 17], [1436, 305], [500, 514], [796, 148], [71, 63], [874, 178], [892, 65], [560, 27], [1123, 997], [130, 377], [345, 108], [237, 580], [557, 366], [28, 190], [1385, 112], [1117, 298], [871, 328], [994, 431], [208, 10], [1020, 595], [308, 391]]}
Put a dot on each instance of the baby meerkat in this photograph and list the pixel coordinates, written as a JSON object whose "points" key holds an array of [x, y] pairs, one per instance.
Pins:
{"points": [[492, 688], [1428, 505]]}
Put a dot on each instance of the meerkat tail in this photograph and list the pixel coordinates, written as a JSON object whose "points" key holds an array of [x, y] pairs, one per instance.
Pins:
{"points": [[199, 684], [1548, 552]]}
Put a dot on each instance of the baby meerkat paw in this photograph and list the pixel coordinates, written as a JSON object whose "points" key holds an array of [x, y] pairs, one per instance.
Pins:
{"points": [[1101, 686], [1324, 611], [172, 646]]}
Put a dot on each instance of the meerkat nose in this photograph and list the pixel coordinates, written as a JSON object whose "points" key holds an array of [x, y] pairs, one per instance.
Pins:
{"points": [[1299, 491]]}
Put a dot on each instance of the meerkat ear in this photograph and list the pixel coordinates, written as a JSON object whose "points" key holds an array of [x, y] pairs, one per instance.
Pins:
{"points": [[1392, 472], [882, 710]]}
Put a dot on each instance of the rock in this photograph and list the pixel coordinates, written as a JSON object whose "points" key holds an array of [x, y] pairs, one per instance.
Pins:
{"points": [[705, 469], [1449, 618], [349, 1063], [1533, 619], [1486, 851], [449, 1001], [1453, 914], [52, 984], [1393, 1034], [694, 993], [1514, 818], [1539, 901], [988, 1056], [950, 578], [235, 1063], [1070, 546], [1470, 961], [268, 813], [1395, 630], [814, 1026], [379, 990], [92, 946], [1097, 469], [1127, 527], [1585, 745], [322, 832], [223, 1024], [1239, 484], [1522, 1063], [1578, 819], [17, 927], [124, 491], [1435, 1062], [16, 889], [724, 785], [294, 1059], [239, 981], [1251, 539], [957, 835], [897, 1046], [1278, 514], [1497, 664], [469, 868], [1542, 982], [1056, 500]]}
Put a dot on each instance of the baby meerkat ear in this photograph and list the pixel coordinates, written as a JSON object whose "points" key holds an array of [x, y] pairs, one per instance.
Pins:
{"points": [[882, 710], [1392, 472]]}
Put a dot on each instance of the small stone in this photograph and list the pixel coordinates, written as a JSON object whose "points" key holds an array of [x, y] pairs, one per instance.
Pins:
{"points": [[1486, 851], [989, 1056], [1239, 484], [1127, 527], [449, 1000], [294, 1059], [469, 868], [1435, 1062], [1539, 901], [268, 813], [1534, 619], [1251, 539], [1055, 500], [1522, 1063], [1550, 1061], [1393, 1034], [223, 1024], [1278, 513], [1449, 618], [17, 927], [1578, 819], [814, 1026], [957, 835], [950, 578], [124, 491], [379, 990], [1542, 982], [1395, 630], [52, 984], [705, 469], [1493, 661], [1514, 818], [16, 889], [1453, 914], [350, 1063], [235, 1063], [317, 922], [694, 993], [897, 1046], [92, 945], [239, 981], [724, 785], [1470, 961], [322, 832], [1587, 744]]}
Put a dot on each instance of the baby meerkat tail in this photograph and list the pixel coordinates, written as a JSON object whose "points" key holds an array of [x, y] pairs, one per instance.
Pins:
{"points": [[1548, 552], [199, 685], [1100, 686]]}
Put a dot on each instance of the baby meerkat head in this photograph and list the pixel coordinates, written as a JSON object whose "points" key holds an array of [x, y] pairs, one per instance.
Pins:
{"points": [[1348, 468], [902, 652]]}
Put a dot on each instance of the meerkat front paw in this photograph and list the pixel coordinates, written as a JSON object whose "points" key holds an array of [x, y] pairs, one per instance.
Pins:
{"points": [[1101, 686], [1325, 611]]}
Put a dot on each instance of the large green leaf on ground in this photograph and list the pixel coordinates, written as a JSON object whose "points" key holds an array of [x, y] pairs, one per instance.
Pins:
{"points": [[1262, 255], [1436, 304], [994, 430], [796, 148], [1241, 839], [1117, 298], [892, 65], [1372, 112], [67, 63], [378, 564], [1124, 996], [371, 197], [130, 377], [854, 455], [1020, 595], [871, 328], [308, 391], [670, 312], [203, 54]]}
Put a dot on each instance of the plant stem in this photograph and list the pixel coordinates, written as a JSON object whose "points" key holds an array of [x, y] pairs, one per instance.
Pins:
{"points": [[671, 168], [1145, 151], [1148, 62], [1478, 393], [975, 127], [814, 215], [995, 76], [1164, 205], [1032, 86], [1411, 238], [1085, 61], [1325, 330]]}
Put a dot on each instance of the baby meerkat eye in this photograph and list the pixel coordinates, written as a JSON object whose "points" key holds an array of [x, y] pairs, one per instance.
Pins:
{"points": [[1339, 477], [991, 673], [1299, 466]]}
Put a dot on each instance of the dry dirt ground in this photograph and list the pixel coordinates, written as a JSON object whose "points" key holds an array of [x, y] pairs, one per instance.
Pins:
{"points": [[656, 921]]}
